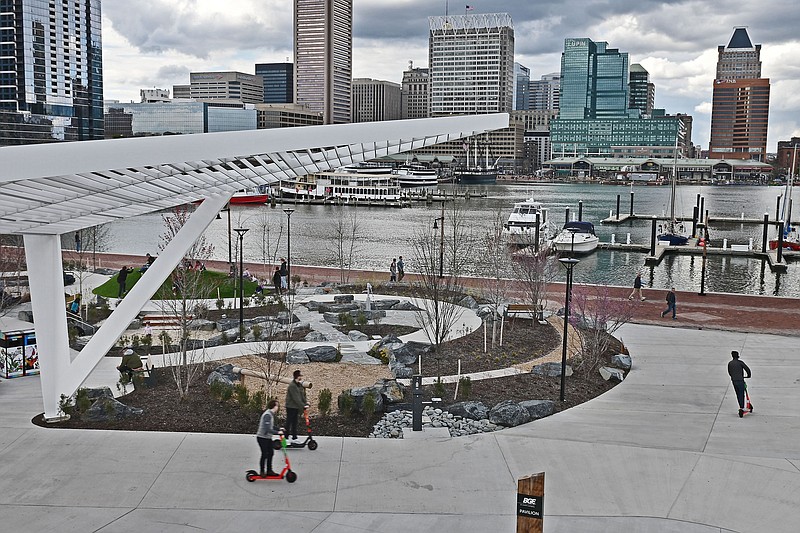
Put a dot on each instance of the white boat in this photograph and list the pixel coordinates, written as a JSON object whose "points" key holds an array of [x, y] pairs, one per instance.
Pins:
{"points": [[345, 184], [416, 175], [520, 229], [791, 239], [575, 238]]}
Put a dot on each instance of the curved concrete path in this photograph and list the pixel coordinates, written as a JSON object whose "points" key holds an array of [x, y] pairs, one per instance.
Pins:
{"points": [[663, 451]]}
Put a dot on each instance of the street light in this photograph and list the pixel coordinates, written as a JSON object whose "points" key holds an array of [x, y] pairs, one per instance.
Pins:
{"points": [[441, 240], [568, 263], [240, 232], [227, 209], [288, 212]]}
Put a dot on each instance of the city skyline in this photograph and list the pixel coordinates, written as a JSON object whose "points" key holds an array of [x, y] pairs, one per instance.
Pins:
{"points": [[159, 44]]}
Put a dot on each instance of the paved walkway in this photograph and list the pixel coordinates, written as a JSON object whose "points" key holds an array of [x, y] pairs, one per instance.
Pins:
{"points": [[663, 451]]}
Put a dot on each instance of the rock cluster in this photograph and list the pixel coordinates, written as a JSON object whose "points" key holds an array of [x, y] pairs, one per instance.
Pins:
{"points": [[401, 356], [384, 392], [315, 354]]}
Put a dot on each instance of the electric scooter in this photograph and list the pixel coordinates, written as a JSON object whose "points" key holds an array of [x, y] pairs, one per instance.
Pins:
{"points": [[309, 440], [748, 405], [286, 473]]}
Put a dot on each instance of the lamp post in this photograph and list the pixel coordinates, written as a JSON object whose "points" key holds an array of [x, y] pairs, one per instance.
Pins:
{"points": [[441, 240], [288, 212], [568, 263], [240, 232]]}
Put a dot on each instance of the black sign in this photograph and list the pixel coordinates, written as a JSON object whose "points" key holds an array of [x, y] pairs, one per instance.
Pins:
{"points": [[531, 506]]}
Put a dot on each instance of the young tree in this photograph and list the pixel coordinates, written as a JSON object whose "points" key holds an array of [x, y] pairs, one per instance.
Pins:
{"points": [[268, 232], [268, 356], [495, 266], [533, 271], [597, 315], [344, 234], [185, 300]]}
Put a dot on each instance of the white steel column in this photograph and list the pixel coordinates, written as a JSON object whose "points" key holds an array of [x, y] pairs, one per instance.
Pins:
{"points": [[46, 281], [169, 258]]}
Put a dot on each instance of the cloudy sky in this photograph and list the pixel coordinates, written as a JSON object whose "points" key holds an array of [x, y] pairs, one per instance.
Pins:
{"points": [[156, 43]]}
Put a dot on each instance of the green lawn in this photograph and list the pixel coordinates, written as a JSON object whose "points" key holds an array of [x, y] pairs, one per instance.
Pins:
{"points": [[213, 280]]}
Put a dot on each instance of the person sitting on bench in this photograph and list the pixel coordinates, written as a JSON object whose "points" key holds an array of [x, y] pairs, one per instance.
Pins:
{"points": [[130, 364]]}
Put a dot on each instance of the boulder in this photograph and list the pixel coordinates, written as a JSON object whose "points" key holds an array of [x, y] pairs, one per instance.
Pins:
{"points": [[337, 308], [99, 392], [224, 324], [539, 408], [284, 318], [471, 410], [409, 353], [105, 409], [509, 413], [135, 324], [343, 298], [551, 370], [486, 311], [391, 390], [332, 318], [309, 291], [356, 335], [621, 361], [360, 393], [390, 341], [315, 336], [322, 354], [224, 374], [404, 305], [468, 302], [380, 305], [312, 305], [608, 373], [201, 324], [369, 315], [25, 316], [296, 357], [399, 370]]}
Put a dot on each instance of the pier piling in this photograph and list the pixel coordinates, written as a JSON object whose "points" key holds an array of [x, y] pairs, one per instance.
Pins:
{"points": [[653, 237], [566, 215], [764, 237], [778, 206], [618, 207], [695, 213], [631, 210], [580, 210], [536, 233], [702, 208], [781, 225]]}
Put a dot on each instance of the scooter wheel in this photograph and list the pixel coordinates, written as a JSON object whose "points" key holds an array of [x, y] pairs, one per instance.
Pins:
{"points": [[312, 445], [291, 477], [251, 475], [276, 445]]}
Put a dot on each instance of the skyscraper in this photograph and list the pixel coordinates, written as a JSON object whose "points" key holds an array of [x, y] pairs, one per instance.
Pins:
{"points": [[414, 96], [375, 100], [228, 85], [278, 82], [471, 61], [740, 102], [51, 71], [642, 91], [545, 92], [522, 88], [323, 57]]}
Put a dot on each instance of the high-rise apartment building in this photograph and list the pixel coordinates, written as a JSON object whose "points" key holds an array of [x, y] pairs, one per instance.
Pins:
{"points": [[414, 93], [522, 88], [278, 81], [471, 61], [642, 90], [323, 57], [51, 71], [740, 102], [246, 88], [545, 92], [375, 100]]}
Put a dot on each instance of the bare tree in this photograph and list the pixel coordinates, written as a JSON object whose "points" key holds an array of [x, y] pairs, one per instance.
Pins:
{"points": [[533, 270], [495, 265], [344, 234], [460, 239], [268, 233], [597, 315], [185, 300], [268, 355]]}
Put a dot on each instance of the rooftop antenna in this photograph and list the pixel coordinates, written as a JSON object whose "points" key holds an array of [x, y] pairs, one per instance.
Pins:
{"points": [[446, 7]]}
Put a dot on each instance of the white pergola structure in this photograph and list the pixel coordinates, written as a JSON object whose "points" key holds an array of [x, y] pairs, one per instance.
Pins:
{"points": [[47, 190]]}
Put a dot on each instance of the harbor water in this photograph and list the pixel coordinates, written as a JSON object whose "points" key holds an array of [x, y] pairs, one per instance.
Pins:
{"points": [[388, 232]]}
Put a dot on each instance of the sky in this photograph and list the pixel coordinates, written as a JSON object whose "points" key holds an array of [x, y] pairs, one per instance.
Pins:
{"points": [[159, 42]]}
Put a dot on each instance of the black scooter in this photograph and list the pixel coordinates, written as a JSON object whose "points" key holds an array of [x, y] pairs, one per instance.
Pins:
{"points": [[309, 440]]}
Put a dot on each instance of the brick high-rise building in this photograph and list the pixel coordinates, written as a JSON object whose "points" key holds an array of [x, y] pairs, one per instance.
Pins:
{"points": [[740, 102]]}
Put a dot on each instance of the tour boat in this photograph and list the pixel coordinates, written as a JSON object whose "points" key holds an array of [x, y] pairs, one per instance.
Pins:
{"points": [[791, 239], [416, 175], [520, 229], [575, 238], [345, 184]]}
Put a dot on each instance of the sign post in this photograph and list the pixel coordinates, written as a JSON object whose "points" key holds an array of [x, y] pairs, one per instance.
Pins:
{"points": [[530, 504]]}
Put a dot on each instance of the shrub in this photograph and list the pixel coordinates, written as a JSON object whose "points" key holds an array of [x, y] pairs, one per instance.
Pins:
{"points": [[122, 341], [465, 387], [324, 402], [220, 303], [135, 341], [257, 331], [82, 401], [65, 405], [245, 302], [361, 319], [224, 338], [346, 404], [241, 394], [258, 401], [147, 342], [346, 320], [369, 405], [438, 388], [216, 389], [165, 339]]}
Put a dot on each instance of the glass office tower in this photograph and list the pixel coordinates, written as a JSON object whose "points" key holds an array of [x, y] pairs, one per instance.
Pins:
{"points": [[278, 82], [51, 71]]}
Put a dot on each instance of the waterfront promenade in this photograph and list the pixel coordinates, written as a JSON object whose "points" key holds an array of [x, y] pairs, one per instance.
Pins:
{"points": [[662, 452]]}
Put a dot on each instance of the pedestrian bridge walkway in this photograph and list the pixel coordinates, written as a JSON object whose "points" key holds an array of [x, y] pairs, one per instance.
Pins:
{"points": [[663, 451]]}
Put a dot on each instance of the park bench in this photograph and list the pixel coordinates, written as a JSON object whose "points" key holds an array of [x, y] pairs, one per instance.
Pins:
{"points": [[533, 311], [163, 320]]}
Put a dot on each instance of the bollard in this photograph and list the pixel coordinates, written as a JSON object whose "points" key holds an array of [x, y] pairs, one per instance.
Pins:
{"points": [[742, 215], [724, 244], [416, 405], [631, 211], [580, 210], [536, 233], [653, 238], [610, 213], [618, 207], [613, 238], [566, 216], [750, 244], [627, 238]]}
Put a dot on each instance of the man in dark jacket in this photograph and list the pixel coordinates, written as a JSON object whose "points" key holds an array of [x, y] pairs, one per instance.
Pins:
{"points": [[295, 400], [737, 370], [122, 278], [670, 304], [276, 280]]}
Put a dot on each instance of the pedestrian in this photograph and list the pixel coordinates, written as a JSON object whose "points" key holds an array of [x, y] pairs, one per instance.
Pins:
{"points": [[670, 304], [122, 279], [276, 280], [736, 370], [637, 288], [77, 241], [400, 269], [149, 260], [267, 428], [295, 400], [393, 270], [284, 274], [130, 363], [75, 306]]}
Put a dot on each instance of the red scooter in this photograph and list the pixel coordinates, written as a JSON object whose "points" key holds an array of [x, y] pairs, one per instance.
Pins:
{"points": [[286, 473]]}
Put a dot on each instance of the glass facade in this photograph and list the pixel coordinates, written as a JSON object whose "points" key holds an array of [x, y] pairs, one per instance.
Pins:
{"points": [[594, 80], [176, 118], [278, 82], [575, 137], [51, 71], [522, 88]]}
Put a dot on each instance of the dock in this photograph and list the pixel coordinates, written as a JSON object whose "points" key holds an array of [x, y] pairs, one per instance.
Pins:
{"points": [[613, 219]]}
